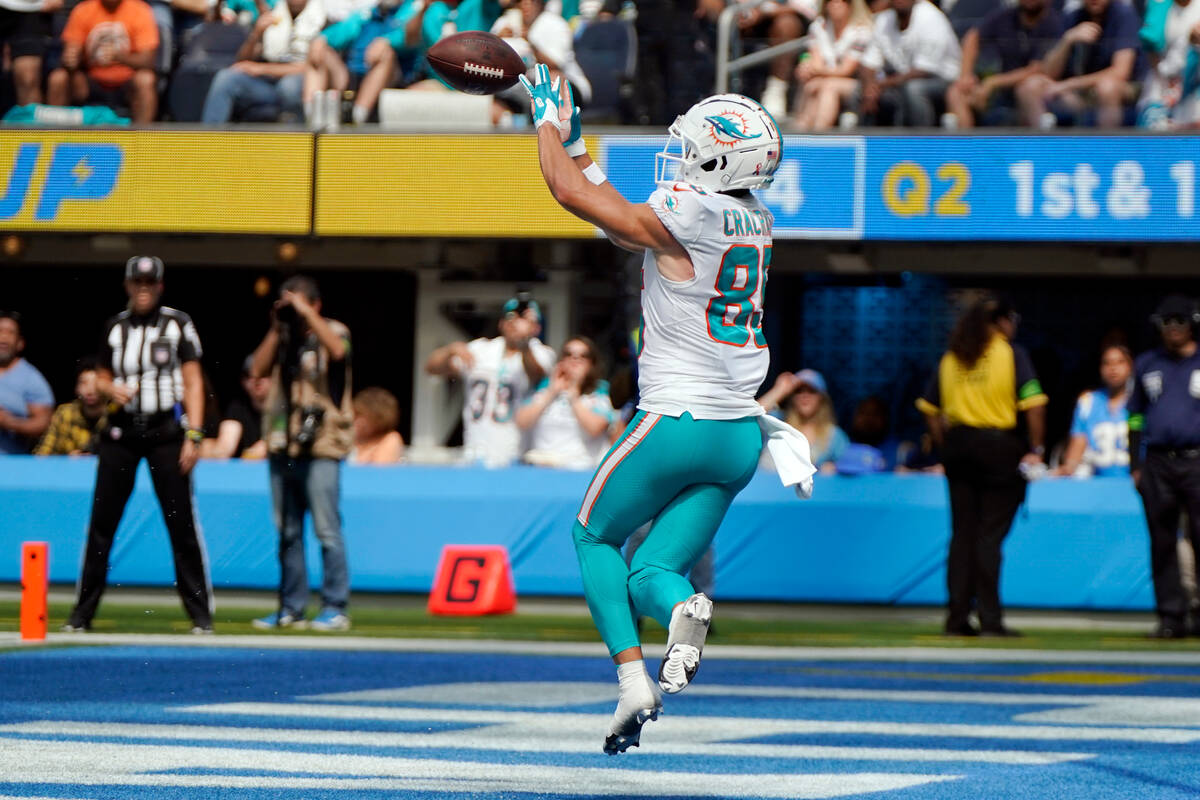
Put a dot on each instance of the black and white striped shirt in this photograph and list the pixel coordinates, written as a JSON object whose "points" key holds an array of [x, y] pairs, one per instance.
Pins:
{"points": [[146, 352]]}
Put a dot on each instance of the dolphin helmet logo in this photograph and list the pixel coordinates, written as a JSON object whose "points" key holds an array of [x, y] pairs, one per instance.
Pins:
{"points": [[729, 128]]}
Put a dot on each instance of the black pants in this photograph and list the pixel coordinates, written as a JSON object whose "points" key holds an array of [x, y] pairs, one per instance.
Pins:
{"points": [[675, 63], [1169, 486], [115, 472], [986, 489]]}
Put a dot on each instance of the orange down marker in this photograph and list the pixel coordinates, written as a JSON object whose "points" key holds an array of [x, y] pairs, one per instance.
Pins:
{"points": [[473, 580], [35, 569]]}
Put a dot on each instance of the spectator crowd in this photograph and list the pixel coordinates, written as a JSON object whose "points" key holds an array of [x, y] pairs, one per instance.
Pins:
{"points": [[918, 63]]}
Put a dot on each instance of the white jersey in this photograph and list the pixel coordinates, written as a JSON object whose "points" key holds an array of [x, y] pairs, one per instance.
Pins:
{"points": [[496, 384], [702, 345], [560, 439]]}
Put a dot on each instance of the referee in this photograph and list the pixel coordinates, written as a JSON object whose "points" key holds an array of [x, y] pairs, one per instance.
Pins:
{"points": [[150, 370], [971, 405], [1164, 420]]}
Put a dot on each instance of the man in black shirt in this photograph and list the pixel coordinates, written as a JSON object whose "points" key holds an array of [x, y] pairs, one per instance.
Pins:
{"points": [[240, 432], [150, 368], [1164, 422]]}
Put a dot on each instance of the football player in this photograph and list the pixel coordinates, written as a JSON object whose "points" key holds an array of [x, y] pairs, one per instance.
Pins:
{"points": [[694, 442]]}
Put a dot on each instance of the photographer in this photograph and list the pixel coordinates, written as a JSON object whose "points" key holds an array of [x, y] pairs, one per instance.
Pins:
{"points": [[308, 425]]}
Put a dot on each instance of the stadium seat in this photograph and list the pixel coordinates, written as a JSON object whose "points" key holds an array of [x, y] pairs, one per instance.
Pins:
{"points": [[410, 109], [607, 52], [206, 49]]}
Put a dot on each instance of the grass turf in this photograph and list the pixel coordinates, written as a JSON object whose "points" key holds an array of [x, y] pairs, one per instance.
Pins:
{"points": [[406, 618]]}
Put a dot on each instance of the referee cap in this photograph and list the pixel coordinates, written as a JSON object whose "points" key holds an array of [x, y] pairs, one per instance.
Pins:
{"points": [[144, 267]]}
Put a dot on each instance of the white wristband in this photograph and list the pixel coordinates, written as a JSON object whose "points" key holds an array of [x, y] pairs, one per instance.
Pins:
{"points": [[576, 148], [594, 174]]}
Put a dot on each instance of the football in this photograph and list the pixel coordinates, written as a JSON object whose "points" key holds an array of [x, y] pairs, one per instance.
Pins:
{"points": [[476, 62]]}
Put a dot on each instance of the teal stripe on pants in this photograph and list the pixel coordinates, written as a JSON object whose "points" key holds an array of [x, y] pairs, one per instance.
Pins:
{"points": [[678, 471]]}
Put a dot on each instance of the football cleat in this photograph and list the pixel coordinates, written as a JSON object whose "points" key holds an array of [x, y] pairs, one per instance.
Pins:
{"points": [[685, 641], [640, 702]]}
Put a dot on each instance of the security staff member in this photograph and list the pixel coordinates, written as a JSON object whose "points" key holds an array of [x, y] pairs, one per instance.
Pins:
{"points": [[1164, 453], [971, 405], [150, 369]]}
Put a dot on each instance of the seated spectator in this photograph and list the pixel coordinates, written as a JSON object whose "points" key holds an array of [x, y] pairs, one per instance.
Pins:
{"points": [[871, 426], [25, 27], [569, 414], [802, 401], [1014, 40], [376, 440], [74, 425], [25, 397], [268, 77], [1171, 94], [1093, 67], [205, 50], [438, 19], [828, 72], [776, 23], [541, 37], [360, 52], [108, 58], [1099, 443], [239, 433], [913, 57]]}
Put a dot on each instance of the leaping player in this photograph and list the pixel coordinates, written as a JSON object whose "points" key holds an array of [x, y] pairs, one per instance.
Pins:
{"points": [[695, 442]]}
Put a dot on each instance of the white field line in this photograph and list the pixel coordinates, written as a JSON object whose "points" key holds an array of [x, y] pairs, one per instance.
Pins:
{"points": [[957, 655], [569, 737], [713, 728], [105, 764]]}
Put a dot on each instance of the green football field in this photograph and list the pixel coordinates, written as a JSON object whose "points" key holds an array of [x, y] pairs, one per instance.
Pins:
{"points": [[566, 620]]}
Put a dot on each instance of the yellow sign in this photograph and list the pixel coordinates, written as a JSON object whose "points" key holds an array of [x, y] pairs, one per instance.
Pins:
{"points": [[434, 185], [156, 181]]}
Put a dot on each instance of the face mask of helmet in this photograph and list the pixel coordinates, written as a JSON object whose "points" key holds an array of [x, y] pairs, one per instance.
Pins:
{"points": [[725, 143]]}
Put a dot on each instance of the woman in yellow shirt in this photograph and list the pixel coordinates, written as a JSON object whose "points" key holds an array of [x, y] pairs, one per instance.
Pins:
{"points": [[971, 404]]}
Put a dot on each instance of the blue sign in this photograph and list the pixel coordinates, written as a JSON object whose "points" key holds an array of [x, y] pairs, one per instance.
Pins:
{"points": [[965, 188]]}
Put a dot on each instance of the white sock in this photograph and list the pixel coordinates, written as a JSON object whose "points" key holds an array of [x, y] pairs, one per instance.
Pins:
{"points": [[359, 114], [637, 692], [630, 672]]}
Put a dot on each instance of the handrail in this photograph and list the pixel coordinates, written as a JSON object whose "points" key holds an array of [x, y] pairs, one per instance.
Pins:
{"points": [[724, 40]]}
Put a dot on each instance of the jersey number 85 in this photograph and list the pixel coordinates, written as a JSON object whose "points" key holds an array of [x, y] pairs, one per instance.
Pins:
{"points": [[735, 314]]}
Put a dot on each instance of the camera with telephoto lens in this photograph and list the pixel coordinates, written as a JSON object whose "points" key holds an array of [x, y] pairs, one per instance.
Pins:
{"points": [[310, 423], [285, 314]]}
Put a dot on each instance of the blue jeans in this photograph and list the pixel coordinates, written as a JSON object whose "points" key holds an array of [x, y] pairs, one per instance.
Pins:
{"points": [[233, 90], [299, 485]]}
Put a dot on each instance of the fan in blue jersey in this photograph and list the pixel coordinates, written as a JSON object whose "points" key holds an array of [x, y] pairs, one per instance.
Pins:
{"points": [[1100, 429]]}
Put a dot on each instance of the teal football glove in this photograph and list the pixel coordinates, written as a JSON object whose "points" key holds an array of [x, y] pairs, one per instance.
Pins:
{"points": [[574, 144], [543, 94]]}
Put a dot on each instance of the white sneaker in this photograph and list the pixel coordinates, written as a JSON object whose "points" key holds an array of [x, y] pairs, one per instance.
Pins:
{"points": [[685, 641], [635, 707], [774, 97]]}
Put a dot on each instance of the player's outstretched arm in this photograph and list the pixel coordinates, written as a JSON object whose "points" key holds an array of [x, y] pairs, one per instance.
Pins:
{"points": [[634, 226]]}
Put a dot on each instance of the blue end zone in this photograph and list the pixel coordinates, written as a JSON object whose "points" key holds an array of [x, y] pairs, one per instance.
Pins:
{"points": [[213, 722]]}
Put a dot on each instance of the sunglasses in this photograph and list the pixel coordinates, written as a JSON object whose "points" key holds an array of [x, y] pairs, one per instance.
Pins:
{"points": [[1175, 319]]}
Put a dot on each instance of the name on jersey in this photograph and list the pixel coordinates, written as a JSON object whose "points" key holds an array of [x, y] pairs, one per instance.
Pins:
{"points": [[739, 222]]}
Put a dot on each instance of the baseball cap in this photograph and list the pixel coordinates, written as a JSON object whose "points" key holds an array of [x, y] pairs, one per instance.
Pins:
{"points": [[521, 303], [810, 377], [1176, 305], [144, 267]]}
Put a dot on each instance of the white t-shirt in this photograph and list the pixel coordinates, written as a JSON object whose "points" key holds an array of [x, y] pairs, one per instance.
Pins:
{"points": [[496, 385], [560, 440], [703, 349], [551, 35], [853, 42], [927, 44]]}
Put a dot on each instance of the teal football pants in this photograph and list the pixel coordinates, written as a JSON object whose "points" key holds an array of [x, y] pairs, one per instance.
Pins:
{"points": [[678, 471]]}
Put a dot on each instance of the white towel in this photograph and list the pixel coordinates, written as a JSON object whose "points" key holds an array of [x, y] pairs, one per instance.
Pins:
{"points": [[791, 453]]}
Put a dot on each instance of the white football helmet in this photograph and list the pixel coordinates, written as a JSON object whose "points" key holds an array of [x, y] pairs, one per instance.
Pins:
{"points": [[726, 142]]}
